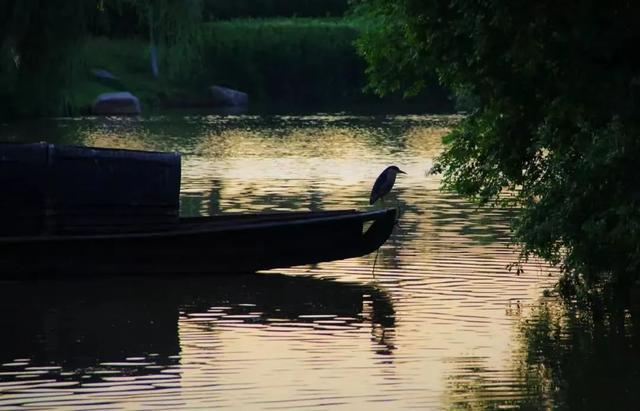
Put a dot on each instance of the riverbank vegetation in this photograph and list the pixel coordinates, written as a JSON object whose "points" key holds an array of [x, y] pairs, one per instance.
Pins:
{"points": [[279, 52], [557, 120], [228, 10], [294, 60], [307, 61]]}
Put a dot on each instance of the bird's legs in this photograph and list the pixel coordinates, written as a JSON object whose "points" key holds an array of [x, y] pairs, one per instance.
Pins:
{"points": [[375, 260]]}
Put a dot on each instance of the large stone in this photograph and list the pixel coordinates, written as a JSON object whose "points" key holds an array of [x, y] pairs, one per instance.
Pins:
{"points": [[223, 96], [116, 103]]}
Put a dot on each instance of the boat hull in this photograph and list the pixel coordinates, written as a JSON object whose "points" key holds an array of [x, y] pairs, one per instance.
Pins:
{"points": [[205, 245]]}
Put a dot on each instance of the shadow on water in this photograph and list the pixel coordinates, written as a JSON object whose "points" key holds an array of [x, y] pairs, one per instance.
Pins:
{"points": [[83, 330]]}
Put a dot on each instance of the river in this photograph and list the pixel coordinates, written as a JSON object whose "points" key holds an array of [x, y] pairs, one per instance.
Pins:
{"points": [[440, 323]]}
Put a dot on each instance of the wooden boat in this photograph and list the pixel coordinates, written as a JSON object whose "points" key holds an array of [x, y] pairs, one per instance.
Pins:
{"points": [[82, 210], [219, 244], [49, 187]]}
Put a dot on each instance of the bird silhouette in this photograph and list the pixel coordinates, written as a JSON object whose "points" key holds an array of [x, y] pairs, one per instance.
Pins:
{"points": [[384, 183]]}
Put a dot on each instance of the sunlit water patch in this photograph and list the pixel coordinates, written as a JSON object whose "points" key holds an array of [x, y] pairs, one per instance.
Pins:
{"points": [[433, 326]]}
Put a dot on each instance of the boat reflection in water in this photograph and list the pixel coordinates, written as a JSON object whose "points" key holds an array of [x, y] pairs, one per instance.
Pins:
{"points": [[95, 341]]}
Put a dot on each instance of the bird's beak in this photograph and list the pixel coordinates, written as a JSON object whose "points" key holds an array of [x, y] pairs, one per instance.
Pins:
{"points": [[400, 171]]}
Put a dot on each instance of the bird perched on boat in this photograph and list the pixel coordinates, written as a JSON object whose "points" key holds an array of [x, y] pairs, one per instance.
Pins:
{"points": [[384, 183]]}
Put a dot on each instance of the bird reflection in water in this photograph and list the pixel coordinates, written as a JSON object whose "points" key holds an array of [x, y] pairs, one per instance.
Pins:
{"points": [[382, 330]]}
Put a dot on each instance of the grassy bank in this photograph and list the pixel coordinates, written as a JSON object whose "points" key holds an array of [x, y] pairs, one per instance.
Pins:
{"points": [[294, 60], [300, 61], [128, 61]]}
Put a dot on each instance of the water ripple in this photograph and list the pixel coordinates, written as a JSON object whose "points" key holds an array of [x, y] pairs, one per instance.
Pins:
{"points": [[431, 327]]}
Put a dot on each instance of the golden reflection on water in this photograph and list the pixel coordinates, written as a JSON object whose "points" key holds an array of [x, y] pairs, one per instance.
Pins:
{"points": [[443, 269]]}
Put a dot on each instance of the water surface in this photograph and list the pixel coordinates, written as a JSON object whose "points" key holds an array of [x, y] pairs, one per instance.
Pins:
{"points": [[438, 324]]}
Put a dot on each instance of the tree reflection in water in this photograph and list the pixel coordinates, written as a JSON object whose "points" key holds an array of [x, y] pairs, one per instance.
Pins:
{"points": [[570, 357], [581, 359]]}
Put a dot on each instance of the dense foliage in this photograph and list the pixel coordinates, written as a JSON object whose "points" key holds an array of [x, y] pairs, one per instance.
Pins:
{"points": [[41, 44], [122, 18], [164, 53], [33, 35], [293, 60], [225, 9], [556, 126]]}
